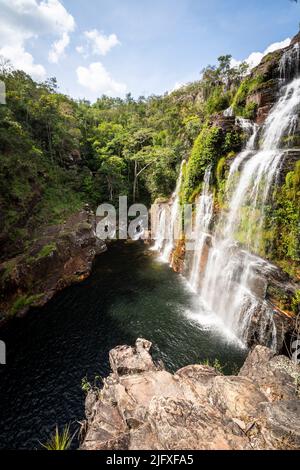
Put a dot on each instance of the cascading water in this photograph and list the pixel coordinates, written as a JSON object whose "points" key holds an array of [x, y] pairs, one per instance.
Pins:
{"points": [[168, 225], [229, 285], [204, 213], [289, 65], [160, 232], [259, 172]]}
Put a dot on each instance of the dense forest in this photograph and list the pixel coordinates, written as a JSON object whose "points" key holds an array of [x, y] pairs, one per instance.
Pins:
{"points": [[58, 154]]}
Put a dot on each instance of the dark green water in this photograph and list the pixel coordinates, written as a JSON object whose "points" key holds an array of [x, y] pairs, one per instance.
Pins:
{"points": [[129, 294]]}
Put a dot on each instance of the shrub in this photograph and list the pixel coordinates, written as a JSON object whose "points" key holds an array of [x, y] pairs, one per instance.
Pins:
{"points": [[218, 101], [248, 86], [250, 110], [215, 364]]}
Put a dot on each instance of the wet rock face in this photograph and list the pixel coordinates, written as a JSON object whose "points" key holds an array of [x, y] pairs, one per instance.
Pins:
{"points": [[62, 254], [142, 406]]}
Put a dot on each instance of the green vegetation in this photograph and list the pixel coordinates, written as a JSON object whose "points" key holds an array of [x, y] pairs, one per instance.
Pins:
{"points": [[215, 364], [250, 110], [220, 170], [8, 268], [60, 441], [296, 302], [47, 250], [86, 386], [58, 154], [248, 86], [209, 149], [206, 150], [282, 224], [23, 302]]}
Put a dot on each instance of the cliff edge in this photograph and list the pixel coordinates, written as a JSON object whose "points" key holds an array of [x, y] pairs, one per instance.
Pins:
{"points": [[142, 406]]}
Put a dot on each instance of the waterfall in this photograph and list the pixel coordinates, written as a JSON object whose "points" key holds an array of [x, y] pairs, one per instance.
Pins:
{"points": [[259, 172], [289, 65], [160, 232], [251, 130], [231, 274], [169, 223], [204, 213]]}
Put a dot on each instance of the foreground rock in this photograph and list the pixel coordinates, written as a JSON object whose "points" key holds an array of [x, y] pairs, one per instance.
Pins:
{"points": [[62, 254], [141, 406]]}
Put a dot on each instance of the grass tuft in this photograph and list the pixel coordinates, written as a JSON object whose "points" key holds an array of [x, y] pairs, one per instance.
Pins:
{"points": [[60, 441]]}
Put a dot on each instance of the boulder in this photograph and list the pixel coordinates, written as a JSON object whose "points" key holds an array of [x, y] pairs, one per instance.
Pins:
{"points": [[125, 360]]}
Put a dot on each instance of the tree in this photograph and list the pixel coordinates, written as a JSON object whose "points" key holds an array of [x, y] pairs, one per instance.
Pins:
{"points": [[113, 169], [136, 151]]}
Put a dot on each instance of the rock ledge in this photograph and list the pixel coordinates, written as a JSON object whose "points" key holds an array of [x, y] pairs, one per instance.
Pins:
{"points": [[143, 407]]}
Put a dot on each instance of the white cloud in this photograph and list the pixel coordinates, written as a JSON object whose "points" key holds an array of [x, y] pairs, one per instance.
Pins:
{"points": [[58, 48], [22, 20], [177, 86], [22, 60], [98, 43], [278, 45], [99, 81], [255, 58]]}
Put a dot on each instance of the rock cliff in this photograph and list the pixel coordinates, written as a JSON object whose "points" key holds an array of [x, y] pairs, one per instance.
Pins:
{"points": [[142, 406], [60, 256]]}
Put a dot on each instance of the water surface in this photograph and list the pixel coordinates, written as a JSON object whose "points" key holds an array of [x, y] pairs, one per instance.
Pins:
{"points": [[130, 294]]}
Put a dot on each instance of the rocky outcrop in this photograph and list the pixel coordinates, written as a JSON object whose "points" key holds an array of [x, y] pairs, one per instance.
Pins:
{"points": [[62, 254], [269, 72], [142, 406]]}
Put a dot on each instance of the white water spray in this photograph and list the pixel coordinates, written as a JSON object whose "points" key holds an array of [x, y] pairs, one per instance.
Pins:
{"points": [[169, 226], [204, 213]]}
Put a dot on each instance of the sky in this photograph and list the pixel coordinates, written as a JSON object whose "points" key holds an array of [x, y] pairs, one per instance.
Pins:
{"points": [[145, 47]]}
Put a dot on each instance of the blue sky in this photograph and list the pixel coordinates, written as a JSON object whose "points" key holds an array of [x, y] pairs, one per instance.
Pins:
{"points": [[141, 46]]}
